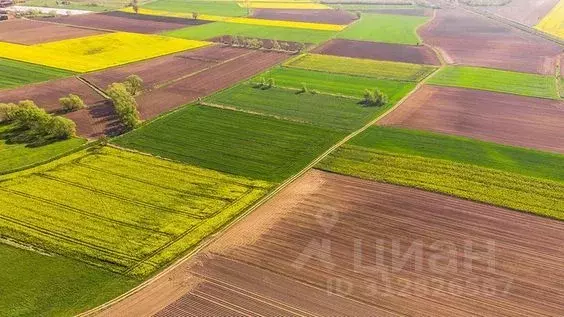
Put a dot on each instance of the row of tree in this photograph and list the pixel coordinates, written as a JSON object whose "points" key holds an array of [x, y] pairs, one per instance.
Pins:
{"points": [[254, 43]]}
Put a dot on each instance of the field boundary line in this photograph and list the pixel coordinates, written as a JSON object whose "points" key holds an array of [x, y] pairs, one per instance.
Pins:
{"points": [[235, 220], [234, 108], [97, 89]]}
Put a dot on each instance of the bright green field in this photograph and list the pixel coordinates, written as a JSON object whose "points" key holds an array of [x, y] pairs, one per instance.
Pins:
{"points": [[463, 150], [386, 28], [525, 84], [222, 8], [338, 84], [325, 111], [14, 73], [125, 212], [90, 5], [511, 190], [212, 30], [235, 142], [15, 156], [39, 285], [362, 67]]}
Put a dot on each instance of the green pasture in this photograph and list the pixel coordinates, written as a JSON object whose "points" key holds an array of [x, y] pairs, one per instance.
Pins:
{"points": [[15, 73], [222, 8]]}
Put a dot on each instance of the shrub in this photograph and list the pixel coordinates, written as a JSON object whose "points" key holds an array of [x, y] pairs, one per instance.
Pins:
{"points": [[71, 103], [195, 15], [276, 46], [375, 98], [7, 111], [124, 105], [261, 83], [270, 83], [60, 128], [133, 84]]}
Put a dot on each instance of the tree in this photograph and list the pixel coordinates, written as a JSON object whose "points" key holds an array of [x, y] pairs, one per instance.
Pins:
{"points": [[270, 83], [124, 105], [37, 125], [71, 103], [7, 111], [375, 98], [133, 84], [60, 128], [276, 45], [135, 6], [195, 15], [304, 88]]}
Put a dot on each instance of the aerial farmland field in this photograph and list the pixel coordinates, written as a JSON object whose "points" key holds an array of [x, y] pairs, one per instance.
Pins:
{"points": [[281, 158]]}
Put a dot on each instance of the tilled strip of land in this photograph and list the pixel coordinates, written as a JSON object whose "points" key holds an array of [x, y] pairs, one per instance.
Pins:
{"points": [[126, 22], [471, 39], [30, 32], [96, 121], [46, 95], [340, 17], [502, 118], [379, 51], [331, 245]]}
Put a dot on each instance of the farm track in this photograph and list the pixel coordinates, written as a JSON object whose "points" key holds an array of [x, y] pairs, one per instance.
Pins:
{"points": [[268, 271]]}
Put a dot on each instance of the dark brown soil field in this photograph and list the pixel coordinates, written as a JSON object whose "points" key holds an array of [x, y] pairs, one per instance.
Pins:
{"points": [[160, 70], [528, 12], [472, 39], [379, 51], [219, 76], [96, 121], [331, 245], [46, 95], [503, 118], [266, 43], [30, 32], [126, 22], [340, 17]]}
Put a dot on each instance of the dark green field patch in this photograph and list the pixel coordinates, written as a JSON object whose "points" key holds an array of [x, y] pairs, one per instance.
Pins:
{"points": [[234, 142], [14, 73]]}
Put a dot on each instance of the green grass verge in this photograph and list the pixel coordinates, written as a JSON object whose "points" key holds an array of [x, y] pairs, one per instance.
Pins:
{"points": [[215, 29], [324, 111], [338, 84], [362, 67], [525, 84], [223, 8], [39, 285], [15, 73], [91, 5], [386, 28], [230, 141], [464, 150], [14, 156], [511, 190], [125, 212]]}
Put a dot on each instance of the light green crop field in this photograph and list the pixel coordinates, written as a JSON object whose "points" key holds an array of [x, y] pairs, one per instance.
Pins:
{"points": [[337, 84], [362, 67], [525, 84], [216, 29], [463, 150], [510, 190], [235, 142], [126, 212], [386, 28], [221, 8], [324, 111], [90, 5], [14, 156], [15, 73], [35, 284]]}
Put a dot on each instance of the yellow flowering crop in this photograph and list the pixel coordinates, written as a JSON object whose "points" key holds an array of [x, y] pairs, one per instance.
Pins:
{"points": [[262, 22], [97, 52], [553, 22]]}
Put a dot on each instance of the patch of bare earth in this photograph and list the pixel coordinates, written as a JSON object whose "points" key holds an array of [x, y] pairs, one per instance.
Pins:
{"points": [[29, 32], [331, 245], [471, 39], [489, 116], [379, 51]]}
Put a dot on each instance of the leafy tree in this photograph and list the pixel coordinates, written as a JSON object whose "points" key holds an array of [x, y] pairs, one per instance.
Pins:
{"points": [[71, 103], [6, 111], [60, 128], [124, 105], [270, 83], [375, 98], [37, 125], [133, 84]]}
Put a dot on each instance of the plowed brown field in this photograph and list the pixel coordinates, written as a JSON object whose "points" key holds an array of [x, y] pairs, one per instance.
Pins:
{"points": [[340, 17], [503, 118], [472, 39], [30, 32], [126, 22], [331, 245], [46, 95], [379, 51], [96, 121], [528, 12]]}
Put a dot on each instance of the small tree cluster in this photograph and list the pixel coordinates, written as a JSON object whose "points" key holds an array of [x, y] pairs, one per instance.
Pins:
{"points": [[71, 103], [35, 124], [195, 15], [133, 84], [264, 83], [125, 105], [375, 98]]}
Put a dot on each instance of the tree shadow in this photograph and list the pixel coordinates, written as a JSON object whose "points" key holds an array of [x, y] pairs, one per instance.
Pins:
{"points": [[12, 134]]}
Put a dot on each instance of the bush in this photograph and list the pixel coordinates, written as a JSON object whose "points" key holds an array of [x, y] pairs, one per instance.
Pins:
{"points": [[60, 128], [71, 103], [195, 15], [375, 98], [133, 84], [270, 83], [124, 105], [7, 111]]}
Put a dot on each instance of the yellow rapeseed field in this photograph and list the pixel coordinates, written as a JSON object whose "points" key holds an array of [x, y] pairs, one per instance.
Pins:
{"points": [[262, 22], [553, 22], [97, 52]]}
